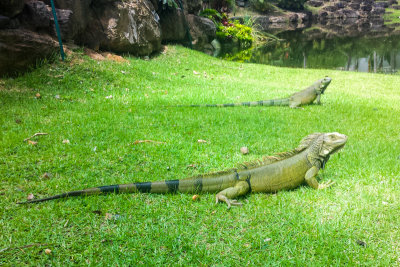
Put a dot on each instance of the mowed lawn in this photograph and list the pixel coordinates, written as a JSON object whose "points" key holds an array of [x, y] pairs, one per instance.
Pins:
{"points": [[95, 114]]}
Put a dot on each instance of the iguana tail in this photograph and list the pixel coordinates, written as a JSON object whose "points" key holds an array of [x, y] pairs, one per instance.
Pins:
{"points": [[212, 182], [272, 102]]}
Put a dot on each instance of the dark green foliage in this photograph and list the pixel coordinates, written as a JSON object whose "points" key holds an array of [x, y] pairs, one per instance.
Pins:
{"points": [[212, 14]]}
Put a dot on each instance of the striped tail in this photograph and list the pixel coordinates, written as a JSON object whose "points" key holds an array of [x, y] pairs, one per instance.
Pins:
{"points": [[214, 182], [272, 102]]}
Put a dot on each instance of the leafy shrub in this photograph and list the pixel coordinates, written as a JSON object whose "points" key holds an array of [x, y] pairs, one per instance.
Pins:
{"points": [[235, 32], [212, 14]]}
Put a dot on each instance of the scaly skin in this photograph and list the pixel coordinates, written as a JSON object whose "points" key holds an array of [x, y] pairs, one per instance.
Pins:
{"points": [[304, 97], [281, 172]]}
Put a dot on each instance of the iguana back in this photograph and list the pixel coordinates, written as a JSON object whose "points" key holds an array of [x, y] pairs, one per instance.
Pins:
{"points": [[303, 97], [280, 172]]}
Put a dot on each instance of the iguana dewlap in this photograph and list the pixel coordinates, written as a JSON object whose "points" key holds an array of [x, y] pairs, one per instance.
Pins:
{"points": [[283, 171], [304, 97]]}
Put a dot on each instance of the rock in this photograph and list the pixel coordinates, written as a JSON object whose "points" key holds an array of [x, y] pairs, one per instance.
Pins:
{"points": [[173, 26], [354, 6], [4, 21], [330, 8], [21, 48], [315, 3], [340, 4], [82, 14], [125, 27], [277, 19], [244, 150], [366, 8], [202, 31], [10, 8], [38, 15], [64, 17], [192, 6]]}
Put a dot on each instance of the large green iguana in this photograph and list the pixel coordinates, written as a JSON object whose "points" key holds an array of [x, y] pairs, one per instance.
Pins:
{"points": [[283, 171], [304, 97]]}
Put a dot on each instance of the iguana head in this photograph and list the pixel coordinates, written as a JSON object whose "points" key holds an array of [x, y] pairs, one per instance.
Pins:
{"points": [[323, 84], [323, 145]]}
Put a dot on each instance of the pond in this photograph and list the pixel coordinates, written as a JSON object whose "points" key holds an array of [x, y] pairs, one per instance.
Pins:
{"points": [[315, 47]]}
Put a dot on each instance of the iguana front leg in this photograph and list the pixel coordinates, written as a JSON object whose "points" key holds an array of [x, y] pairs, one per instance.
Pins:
{"points": [[318, 100], [229, 193], [311, 180]]}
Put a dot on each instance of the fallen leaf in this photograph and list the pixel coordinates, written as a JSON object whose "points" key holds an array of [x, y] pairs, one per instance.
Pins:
{"points": [[109, 97], [30, 196], [18, 121], [32, 142], [267, 239], [195, 72], [194, 166], [201, 141], [37, 95], [46, 175], [65, 141], [195, 197], [57, 97], [384, 203], [47, 251], [247, 245], [108, 216], [147, 141], [244, 150]]}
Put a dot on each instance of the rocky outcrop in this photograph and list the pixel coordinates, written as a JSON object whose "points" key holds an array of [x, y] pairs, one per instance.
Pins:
{"points": [[130, 26], [348, 9], [124, 26]]}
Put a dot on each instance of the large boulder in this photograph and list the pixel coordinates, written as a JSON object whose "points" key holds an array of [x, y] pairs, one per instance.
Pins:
{"points": [[202, 30], [125, 27], [21, 48], [173, 25], [10, 8]]}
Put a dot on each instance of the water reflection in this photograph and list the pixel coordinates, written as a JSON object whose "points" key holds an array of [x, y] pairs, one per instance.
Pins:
{"points": [[297, 49]]}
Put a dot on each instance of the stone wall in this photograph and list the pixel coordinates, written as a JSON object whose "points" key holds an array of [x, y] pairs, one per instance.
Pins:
{"points": [[137, 27]]}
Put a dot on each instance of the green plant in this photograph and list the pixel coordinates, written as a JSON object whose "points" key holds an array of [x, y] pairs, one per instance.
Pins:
{"points": [[235, 32], [212, 14]]}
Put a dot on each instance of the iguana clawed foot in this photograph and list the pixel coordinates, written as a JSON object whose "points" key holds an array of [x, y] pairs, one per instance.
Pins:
{"points": [[326, 185], [229, 202]]}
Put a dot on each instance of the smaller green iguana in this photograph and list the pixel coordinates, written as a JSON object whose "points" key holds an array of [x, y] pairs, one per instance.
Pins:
{"points": [[283, 171], [304, 97]]}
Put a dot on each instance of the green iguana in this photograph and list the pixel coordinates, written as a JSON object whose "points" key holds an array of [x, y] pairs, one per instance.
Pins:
{"points": [[280, 172], [304, 97]]}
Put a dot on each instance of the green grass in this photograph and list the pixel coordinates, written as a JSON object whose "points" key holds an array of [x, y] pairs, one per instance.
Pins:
{"points": [[393, 17], [301, 227]]}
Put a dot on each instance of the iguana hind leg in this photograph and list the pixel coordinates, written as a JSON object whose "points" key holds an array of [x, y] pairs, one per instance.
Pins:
{"points": [[229, 193], [311, 179]]}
